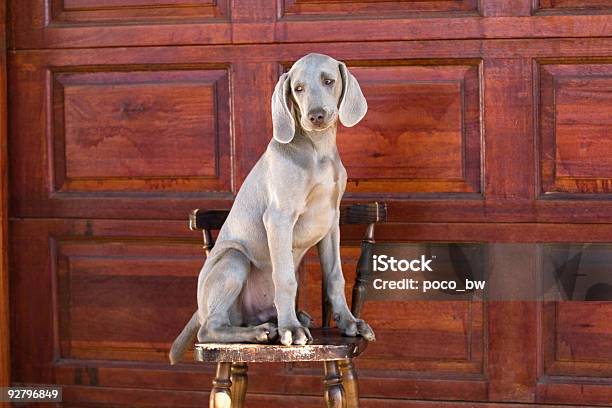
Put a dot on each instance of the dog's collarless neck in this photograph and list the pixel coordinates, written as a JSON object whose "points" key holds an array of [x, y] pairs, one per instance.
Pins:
{"points": [[323, 142]]}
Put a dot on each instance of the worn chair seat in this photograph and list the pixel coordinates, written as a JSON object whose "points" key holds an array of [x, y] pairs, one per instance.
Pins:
{"points": [[328, 345]]}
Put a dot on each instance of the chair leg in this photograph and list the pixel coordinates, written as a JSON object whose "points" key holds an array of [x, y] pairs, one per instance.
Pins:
{"points": [[334, 392], [349, 382], [240, 381], [220, 395]]}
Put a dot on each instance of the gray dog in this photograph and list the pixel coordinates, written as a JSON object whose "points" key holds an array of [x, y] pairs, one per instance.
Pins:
{"points": [[288, 203]]}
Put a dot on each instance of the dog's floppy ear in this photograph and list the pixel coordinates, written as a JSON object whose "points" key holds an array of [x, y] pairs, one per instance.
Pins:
{"points": [[283, 124], [353, 105]]}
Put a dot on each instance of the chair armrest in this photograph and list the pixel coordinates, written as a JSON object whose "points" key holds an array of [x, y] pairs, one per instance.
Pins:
{"points": [[369, 213], [207, 220]]}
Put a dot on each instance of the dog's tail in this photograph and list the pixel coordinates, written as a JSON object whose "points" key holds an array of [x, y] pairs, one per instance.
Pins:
{"points": [[185, 339]]}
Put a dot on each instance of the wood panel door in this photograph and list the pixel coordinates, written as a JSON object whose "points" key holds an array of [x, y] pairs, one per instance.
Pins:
{"points": [[489, 121]]}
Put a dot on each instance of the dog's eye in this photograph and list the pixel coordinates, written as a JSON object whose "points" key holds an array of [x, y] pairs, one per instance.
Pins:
{"points": [[299, 88], [328, 81]]}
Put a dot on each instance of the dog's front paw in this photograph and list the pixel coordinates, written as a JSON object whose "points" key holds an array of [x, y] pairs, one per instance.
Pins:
{"points": [[294, 334], [265, 332], [356, 327]]}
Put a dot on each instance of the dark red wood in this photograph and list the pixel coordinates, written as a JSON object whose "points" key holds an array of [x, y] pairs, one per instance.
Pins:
{"points": [[574, 115], [258, 22], [575, 5], [307, 8], [488, 122], [122, 131], [5, 355]]}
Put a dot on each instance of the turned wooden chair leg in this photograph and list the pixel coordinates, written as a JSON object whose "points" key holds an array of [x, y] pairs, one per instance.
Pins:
{"points": [[334, 393], [220, 395], [239, 384], [349, 383]]}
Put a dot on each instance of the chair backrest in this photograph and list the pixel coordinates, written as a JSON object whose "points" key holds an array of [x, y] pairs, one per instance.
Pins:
{"points": [[364, 214]]}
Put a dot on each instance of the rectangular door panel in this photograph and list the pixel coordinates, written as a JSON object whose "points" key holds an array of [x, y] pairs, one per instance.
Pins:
{"points": [[125, 134], [114, 11], [574, 125], [125, 130], [99, 4], [109, 296], [303, 8], [87, 23], [422, 131], [576, 336], [574, 5]]}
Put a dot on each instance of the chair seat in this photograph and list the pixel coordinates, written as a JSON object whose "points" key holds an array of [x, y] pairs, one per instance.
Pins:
{"points": [[328, 345]]}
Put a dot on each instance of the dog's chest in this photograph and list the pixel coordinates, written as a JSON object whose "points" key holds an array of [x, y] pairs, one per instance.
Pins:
{"points": [[321, 205]]}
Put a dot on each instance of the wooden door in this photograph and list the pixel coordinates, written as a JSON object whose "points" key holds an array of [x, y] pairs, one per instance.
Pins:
{"points": [[489, 121]]}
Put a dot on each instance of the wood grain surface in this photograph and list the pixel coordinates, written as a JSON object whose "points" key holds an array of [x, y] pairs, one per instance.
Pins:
{"points": [[489, 121]]}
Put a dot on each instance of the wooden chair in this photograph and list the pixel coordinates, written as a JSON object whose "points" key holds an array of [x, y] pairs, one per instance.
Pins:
{"points": [[335, 351]]}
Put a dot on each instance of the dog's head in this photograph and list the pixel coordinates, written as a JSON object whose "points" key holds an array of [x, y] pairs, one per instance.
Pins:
{"points": [[315, 92]]}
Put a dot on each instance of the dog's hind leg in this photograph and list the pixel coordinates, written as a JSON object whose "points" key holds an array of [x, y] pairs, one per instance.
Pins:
{"points": [[219, 293]]}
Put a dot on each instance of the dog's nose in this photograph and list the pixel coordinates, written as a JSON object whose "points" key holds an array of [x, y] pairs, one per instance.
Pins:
{"points": [[317, 116]]}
